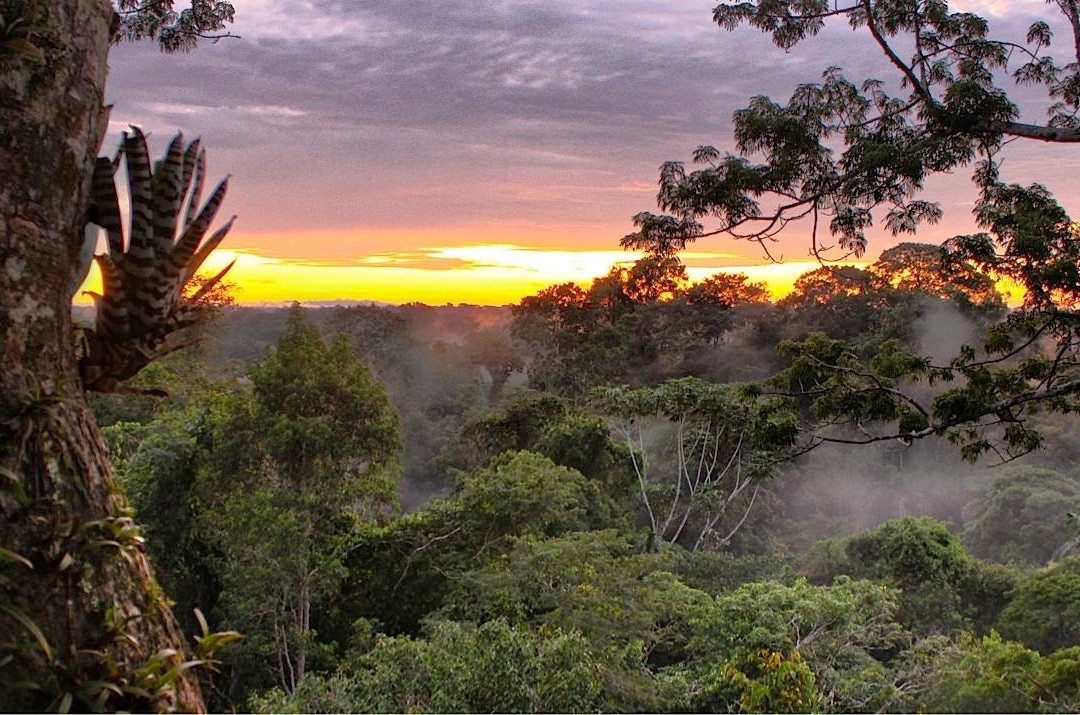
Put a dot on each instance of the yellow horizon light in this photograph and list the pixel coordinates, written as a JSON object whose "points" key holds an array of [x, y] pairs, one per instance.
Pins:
{"points": [[485, 274], [489, 274]]}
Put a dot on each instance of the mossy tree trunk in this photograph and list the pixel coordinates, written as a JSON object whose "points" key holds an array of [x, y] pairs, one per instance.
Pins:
{"points": [[78, 599]]}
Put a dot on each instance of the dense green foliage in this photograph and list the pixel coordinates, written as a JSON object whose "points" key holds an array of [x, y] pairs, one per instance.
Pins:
{"points": [[943, 588], [251, 500], [532, 581], [1021, 517], [655, 523], [455, 667], [1044, 613]]}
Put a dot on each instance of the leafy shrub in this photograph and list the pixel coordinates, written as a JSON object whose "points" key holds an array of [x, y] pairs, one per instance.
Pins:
{"points": [[979, 675], [1021, 517], [1045, 612], [762, 682], [839, 632], [457, 667], [943, 588]]}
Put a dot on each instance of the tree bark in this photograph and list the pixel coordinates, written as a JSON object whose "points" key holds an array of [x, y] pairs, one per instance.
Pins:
{"points": [[78, 599]]}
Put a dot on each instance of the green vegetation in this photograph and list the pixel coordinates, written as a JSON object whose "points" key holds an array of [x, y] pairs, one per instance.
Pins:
{"points": [[1022, 517], [1043, 614], [942, 587], [494, 667], [590, 523], [653, 494], [647, 494], [531, 577]]}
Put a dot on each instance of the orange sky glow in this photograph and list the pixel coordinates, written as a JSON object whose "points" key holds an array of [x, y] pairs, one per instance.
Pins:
{"points": [[478, 154], [492, 274]]}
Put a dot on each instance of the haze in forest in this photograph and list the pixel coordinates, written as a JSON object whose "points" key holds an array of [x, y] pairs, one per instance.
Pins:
{"points": [[550, 366]]}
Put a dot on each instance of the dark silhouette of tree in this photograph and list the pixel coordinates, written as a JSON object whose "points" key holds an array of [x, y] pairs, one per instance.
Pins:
{"points": [[638, 323], [923, 268], [950, 114], [726, 290], [845, 301], [843, 154], [174, 31]]}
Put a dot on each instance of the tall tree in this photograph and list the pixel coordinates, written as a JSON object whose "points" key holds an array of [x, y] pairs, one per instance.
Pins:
{"points": [[297, 464], [950, 114], [726, 442], [78, 600], [841, 155], [922, 268]]}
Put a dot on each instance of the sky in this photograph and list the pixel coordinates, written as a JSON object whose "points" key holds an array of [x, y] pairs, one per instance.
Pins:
{"points": [[479, 150]]}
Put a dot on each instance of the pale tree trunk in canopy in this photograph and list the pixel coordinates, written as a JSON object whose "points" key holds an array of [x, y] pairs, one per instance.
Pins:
{"points": [[78, 598]]}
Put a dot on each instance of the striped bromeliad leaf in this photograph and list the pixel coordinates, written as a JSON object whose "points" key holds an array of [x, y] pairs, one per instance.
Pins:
{"points": [[142, 310]]}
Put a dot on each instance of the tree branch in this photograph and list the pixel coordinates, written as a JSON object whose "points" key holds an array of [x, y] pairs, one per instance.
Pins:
{"points": [[1038, 132], [916, 84]]}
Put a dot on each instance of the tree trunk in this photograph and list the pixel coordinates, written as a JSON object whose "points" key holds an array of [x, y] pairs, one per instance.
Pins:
{"points": [[78, 599]]}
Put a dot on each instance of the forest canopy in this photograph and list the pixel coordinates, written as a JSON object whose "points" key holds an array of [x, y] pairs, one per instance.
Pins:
{"points": [[640, 493]]}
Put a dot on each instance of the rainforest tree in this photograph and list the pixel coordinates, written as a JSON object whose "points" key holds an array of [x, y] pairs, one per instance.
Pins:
{"points": [[78, 600], [699, 487], [843, 154], [293, 467]]}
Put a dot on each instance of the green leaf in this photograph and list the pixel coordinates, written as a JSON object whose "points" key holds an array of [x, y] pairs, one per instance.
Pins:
{"points": [[12, 556], [32, 627]]}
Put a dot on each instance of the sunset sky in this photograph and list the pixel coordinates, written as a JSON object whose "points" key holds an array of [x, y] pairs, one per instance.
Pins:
{"points": [[478, 150]]}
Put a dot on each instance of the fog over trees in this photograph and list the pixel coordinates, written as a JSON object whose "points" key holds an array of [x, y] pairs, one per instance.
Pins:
{"points": [[643, 493]]}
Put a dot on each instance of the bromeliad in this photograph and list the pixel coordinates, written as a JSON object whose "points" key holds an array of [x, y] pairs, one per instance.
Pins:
{"points": [[143, 309]]}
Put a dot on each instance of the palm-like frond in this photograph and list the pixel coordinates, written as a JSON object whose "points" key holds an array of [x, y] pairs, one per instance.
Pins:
{"points": [[143, 277]]}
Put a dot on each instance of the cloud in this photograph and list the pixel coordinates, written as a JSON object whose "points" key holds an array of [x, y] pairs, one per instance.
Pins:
{"points": [[481, 273], [485, 92], [501, 117], [997, 7], [574, 264]]}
